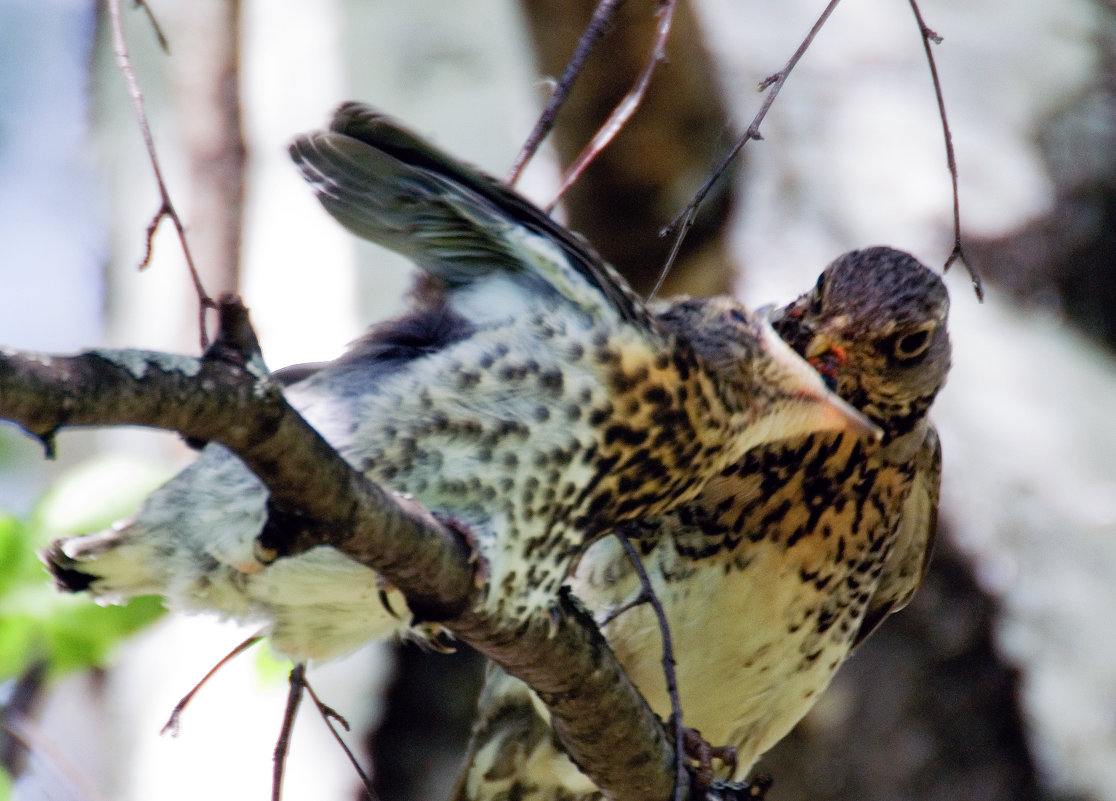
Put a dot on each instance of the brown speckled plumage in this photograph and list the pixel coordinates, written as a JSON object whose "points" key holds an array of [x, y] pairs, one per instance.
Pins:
{"points": [[786, 560]]}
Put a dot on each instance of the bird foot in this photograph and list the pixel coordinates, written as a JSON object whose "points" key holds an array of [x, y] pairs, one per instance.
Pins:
{"points": [[698, 751]]}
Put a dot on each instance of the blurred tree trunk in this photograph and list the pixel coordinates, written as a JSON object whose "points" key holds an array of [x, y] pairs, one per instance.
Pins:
{"points": [[208, 97], [429, 714]]}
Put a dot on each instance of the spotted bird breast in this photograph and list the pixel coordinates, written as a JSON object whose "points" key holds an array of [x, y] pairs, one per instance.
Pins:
{"points": [[538, 437], [779, 558]]}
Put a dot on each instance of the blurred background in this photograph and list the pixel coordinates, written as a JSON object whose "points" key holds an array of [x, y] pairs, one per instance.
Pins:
{"points": [[998, 682]]}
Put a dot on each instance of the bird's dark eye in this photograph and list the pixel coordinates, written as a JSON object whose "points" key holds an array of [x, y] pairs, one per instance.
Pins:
{"points": [[738, 316], [912, 345]]}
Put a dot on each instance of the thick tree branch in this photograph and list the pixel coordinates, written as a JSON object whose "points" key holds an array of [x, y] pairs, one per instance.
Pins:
{"points": [[228, 396]]}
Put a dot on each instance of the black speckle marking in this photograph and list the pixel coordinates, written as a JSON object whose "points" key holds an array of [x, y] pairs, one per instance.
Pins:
{"points": [[826, 619], [626, 382], [624, 434], [599, 416], [656, 396], [683, 363], [599, 503], [551, 380], [605, 355], [798, 533], [509, 428], [628, 484]]}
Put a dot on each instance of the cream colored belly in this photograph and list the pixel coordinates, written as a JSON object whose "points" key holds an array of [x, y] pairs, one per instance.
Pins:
{"points": [[741, 640]]}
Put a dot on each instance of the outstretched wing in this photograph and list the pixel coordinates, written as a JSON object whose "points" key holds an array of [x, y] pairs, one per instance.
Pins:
{"points": [[914, 542], [389, 186]]}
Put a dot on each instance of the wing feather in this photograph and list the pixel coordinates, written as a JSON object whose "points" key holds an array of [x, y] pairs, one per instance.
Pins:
{"points": [[389, 186]]}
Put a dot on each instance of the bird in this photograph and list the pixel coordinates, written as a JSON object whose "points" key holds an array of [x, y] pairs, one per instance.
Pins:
{"points": [[784, 563], [528, 394]]}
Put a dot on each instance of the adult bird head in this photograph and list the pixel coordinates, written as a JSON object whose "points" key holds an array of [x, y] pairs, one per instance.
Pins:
{"points": [[875, 326]]}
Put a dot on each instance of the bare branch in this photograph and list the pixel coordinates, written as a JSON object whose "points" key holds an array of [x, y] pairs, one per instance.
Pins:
{"points": [[283, 743], [172, 725], [626, 107], [929, 38], [329, 717], [772, 84], [166, 207], [156, 28], [648, 595], [596, 28]]}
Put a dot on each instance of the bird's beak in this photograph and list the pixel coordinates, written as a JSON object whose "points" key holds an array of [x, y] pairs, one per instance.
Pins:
{"points": [[825, 355], [817, 346], [834, 414], [822, 410]]}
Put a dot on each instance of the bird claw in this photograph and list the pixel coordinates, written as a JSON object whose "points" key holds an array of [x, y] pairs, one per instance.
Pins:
{"points": [[698, 751]]}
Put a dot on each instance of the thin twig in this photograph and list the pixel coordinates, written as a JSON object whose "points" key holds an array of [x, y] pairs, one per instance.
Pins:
{"points": [[596, 28], [684, 220], [282, 745], [156, 28], [166, 207], [329, 715], [929, 38], [171, 726], [648, 595], [626, 107]]}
